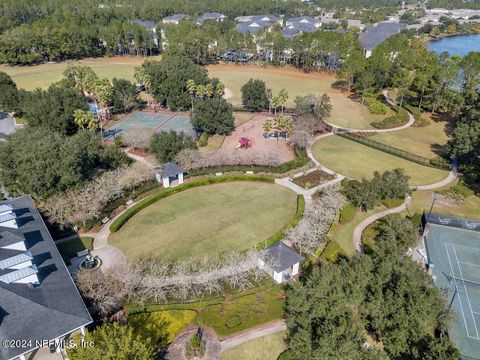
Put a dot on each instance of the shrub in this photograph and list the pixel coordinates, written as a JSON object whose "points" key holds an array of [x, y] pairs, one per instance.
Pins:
{"points": [[399, 119], [416, 220], [376, 107], [122, 219], [203, 141], [458, 192], [440, 162], [347, 213], [233, 321]]}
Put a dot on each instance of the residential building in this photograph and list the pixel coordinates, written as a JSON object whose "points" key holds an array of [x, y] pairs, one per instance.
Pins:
{"points": [[295, 29], [169, 174], [174, 19], [210, 16], [253, 26], [150, 26], [304, 20], [39, 302], [378, 33], [280, 261]]}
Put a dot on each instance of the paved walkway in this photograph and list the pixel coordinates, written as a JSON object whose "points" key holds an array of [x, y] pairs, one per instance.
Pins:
{"points": [[450, 178], [357, 233], [256, 333]]}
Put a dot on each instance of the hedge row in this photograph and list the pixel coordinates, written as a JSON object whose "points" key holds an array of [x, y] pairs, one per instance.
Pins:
{"points": [[399, 119], [122, 219], [301, 160], [279, 235]]}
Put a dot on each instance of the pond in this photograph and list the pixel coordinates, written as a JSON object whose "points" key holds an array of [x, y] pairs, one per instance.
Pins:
{"points": [[456, 45]]}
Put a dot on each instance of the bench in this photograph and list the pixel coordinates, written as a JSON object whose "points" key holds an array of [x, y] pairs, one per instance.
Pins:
{"points": [[83, 253], [249, 172], [218, 174]]}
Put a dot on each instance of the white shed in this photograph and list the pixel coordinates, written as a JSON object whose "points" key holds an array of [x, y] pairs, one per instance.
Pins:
{"points": [[280, 261], [169, 174]]}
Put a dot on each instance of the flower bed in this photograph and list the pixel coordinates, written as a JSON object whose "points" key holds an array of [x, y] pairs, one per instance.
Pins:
{"points": [[312, 179]]}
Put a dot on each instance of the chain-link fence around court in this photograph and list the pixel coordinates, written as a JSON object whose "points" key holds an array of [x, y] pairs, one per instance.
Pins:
{"points": [[392, 150]]}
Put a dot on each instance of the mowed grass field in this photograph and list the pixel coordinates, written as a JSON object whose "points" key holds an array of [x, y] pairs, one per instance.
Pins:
{"points": [[41, 76], [426, 141], [265, 348], [207, 221], [346, 112], [359, 161]]}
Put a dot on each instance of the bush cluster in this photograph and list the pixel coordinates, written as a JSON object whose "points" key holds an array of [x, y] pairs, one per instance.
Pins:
{"points": [[399, 119], [376, 107]]}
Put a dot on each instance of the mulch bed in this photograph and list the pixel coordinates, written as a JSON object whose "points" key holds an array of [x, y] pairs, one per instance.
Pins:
{"points": [[312, 179]]}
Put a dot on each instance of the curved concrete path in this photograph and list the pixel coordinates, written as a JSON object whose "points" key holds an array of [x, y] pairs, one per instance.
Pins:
{"points": [[391, 103], [269, 329]]}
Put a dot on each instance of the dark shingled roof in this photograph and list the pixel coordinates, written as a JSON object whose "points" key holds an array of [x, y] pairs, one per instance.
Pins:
{"points": [[146, 24], [175, 17], [46, 311], [297, 28], [378, 33], [169, 169], [281, 256], [252, 26]]}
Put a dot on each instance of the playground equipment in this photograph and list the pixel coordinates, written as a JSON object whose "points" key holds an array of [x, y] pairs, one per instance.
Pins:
{"points": [[244, 143]]}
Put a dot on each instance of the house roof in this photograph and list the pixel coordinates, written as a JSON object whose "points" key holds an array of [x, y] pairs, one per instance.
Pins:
{"points": [[378, 33], [210, 16], [280, 256], [35, 312], [296, 28], [303, 20], [146, 24], [174, 17], [252, 26], [169, 169], [266, 18]]}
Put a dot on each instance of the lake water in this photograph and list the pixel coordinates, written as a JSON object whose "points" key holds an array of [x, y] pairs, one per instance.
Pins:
{"points": [[456, 45]]}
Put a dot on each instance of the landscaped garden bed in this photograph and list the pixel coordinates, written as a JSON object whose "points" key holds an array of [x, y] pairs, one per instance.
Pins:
{"points": [[312, 179]]}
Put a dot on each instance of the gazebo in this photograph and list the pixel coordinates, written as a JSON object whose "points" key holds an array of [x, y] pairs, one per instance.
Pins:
{"points": [[169, 174], [280, 261]]}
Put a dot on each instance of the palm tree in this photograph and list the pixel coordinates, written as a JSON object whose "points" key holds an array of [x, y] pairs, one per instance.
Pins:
{"points": [[267, 126], [85, 120], [102, 94], [208, 92], [200, 91], [191, 89], [219, 90], [283, 97]]}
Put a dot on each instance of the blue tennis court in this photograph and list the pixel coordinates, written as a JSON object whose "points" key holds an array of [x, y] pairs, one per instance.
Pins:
{"points": [[455, 254], [150, 120]]}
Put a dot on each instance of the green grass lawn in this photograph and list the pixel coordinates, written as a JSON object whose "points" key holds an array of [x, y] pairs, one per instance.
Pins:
{"points": [[469, 208], [41, 76], [237, 313], [360, 161], [69, 249], [207, 220], [264, 348], [345, 111], [426, 141]]}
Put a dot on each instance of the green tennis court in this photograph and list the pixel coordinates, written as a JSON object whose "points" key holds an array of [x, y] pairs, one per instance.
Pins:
{"points": [[155, 121], [453, 247]]}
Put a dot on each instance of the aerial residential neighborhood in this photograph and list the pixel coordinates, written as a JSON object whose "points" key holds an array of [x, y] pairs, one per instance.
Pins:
{"points": [[239, 180]]}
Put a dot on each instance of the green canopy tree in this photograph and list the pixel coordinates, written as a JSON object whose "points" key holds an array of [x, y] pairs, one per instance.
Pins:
{"points": [[213, 116], [254, 95], [165, 145], [9, 96]]}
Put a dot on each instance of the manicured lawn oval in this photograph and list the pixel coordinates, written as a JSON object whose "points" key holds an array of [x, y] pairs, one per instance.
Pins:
{"points": [[207, 221]]}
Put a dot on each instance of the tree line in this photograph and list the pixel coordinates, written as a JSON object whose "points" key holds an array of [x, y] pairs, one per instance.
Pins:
{"points": [[377, 306]]}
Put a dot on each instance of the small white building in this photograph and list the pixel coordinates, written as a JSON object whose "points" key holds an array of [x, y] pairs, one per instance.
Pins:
{"points": [[280, 261], [169, 174]]}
